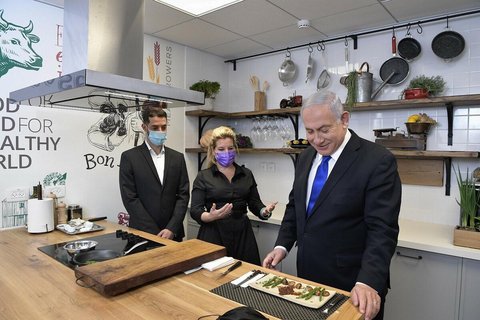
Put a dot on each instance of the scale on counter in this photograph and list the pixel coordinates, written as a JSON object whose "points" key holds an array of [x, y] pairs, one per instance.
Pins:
{"points": [[392, 139]]}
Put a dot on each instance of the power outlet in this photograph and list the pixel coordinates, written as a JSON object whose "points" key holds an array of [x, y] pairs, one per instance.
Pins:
{"points": [[18, 194]]}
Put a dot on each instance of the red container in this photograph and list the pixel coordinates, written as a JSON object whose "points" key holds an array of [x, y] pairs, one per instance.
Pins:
{"points": [[415, 93]]}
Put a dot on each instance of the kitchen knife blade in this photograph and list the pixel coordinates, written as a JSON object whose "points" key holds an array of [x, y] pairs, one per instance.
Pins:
{"points": [[232, 267]]}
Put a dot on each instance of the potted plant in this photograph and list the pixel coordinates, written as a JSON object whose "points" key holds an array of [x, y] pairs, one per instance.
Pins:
{"points": [[209, 88], [467, 233], [423, 87]]}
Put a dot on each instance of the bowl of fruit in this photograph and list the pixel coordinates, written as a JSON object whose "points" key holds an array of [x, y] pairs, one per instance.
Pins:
{"points": [[419, 123]]}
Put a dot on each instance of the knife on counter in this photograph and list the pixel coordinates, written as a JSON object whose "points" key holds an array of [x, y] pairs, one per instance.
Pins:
{"points": [[231, 268]]}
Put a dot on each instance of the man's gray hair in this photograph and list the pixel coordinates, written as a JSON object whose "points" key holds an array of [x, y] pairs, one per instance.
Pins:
{"points": [[325, 97]]}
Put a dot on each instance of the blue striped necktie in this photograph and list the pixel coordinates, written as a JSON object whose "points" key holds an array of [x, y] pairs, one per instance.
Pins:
{"points": [[318, 182]]}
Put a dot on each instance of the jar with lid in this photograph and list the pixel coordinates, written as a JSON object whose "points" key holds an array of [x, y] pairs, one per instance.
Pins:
{"points": [[74, 211]]}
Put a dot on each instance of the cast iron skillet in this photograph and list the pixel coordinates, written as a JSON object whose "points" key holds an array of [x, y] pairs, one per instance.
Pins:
{"points": [[448, 44], [395, 65]]}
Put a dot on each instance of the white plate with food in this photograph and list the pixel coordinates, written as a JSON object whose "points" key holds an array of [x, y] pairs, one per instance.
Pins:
{"points": [[294, 291]]}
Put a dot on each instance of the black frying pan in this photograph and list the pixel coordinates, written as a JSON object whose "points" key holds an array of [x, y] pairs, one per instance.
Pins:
{"points": [[89, 257], [448, 44], [396, 65], [409, 48]]}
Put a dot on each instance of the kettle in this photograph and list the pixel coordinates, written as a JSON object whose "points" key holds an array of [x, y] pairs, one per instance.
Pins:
{"points": [[365, 84]]}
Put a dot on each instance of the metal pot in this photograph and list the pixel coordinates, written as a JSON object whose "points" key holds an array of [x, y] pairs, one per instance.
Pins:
{"points": [[310, 65], [287, 70], [365, 92]]}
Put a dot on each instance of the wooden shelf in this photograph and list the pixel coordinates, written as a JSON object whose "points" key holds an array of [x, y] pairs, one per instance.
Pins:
{"points": [[397, 153], [463, 100], [246, 114], [410, 160]]}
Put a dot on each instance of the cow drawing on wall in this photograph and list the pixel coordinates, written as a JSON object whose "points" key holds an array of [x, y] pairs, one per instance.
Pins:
{"points": [[16, 47]]}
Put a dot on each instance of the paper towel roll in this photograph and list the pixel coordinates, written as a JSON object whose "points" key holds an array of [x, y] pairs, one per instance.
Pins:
{"points": [[40, 215]]}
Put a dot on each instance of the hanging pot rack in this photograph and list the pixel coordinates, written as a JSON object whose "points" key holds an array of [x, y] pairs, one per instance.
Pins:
{"points": [[354, 36]]}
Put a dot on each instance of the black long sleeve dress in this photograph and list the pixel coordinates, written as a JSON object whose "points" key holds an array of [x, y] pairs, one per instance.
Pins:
{"points": [[234, 232]]}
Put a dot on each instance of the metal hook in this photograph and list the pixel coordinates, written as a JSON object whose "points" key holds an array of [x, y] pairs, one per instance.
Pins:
{"points": [[288, 54], [310, 49], [321, 46], [408, 30], [419, 28], [346, 41]]}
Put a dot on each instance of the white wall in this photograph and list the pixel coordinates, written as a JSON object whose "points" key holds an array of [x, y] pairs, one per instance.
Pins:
{"points": [[462, 76], [97, 190]]}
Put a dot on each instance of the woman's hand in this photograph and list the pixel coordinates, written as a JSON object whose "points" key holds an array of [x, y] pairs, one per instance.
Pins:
{"points": [[216, 214], [269, 209]]}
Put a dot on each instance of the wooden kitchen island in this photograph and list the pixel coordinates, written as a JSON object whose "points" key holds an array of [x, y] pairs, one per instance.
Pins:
{"points": [[36, 286]]}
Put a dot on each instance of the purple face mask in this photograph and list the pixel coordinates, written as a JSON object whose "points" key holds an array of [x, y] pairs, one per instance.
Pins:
{"points": [[225, 158]]}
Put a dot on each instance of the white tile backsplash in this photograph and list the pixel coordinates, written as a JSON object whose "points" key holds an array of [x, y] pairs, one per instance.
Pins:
{"points": [[462, 75]]}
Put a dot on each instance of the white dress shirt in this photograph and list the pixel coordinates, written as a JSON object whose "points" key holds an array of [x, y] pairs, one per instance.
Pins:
{"points": [[158, 161]]}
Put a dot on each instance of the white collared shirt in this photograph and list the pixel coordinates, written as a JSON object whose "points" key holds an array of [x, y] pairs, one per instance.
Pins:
{"points": [[331, 164], [158, 160]]}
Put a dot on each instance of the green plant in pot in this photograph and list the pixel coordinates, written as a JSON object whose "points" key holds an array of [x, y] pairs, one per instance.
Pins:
{"points": [[423, 87], [209, 88], [469, 201]]}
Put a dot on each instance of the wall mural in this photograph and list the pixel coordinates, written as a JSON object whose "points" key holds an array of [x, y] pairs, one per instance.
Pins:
{"points": [[117, 125], [16, 47]]}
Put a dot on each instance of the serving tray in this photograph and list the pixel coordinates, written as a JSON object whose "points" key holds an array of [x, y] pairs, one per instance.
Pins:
{"points": [[95, 227], [314, 302]]}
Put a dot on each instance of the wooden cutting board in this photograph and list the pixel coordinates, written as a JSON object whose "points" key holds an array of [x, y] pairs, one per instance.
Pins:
{"points": [[116, 276]]}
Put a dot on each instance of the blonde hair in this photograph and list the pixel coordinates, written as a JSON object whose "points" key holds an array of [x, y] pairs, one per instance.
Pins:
{"points": [[219, 133]]}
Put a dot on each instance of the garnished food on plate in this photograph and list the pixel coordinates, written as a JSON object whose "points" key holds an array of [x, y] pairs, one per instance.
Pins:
{"points": [[295, 291]]}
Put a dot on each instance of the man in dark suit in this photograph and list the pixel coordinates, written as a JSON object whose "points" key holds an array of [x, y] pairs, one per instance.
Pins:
{"points": [[154, 181], [347, 238]]}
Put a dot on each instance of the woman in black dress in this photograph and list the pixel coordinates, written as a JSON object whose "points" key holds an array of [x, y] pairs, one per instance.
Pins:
{"points": [[221, 195]]}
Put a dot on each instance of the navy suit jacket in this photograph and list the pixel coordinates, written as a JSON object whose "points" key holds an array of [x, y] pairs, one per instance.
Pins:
{"points": [[352, 232], [154, 206]]}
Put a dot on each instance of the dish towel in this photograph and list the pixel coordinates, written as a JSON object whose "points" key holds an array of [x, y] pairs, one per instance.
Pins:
{"points": [[318, 182]]}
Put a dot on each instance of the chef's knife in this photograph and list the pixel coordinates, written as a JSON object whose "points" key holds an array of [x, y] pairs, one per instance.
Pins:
{"points": [[232, 267]]}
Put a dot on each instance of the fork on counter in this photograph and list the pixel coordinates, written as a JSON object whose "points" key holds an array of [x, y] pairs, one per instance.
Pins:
{"points": [[332, 303]]}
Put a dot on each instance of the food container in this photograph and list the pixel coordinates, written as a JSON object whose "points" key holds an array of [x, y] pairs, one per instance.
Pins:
{"points": [[74, 211]]}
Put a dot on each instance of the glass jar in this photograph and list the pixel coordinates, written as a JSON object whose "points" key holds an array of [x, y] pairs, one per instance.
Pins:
{"points": [[74, 211]]}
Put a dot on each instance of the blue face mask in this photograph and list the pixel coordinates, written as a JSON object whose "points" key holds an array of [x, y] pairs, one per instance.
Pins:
{"points": [[157, 138]]}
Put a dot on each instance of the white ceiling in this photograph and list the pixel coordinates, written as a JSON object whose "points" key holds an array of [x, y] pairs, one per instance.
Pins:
{"points": [[257, 26]]}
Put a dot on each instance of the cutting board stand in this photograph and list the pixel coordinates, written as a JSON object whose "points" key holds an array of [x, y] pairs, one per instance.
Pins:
{"points": [[119, 275]]}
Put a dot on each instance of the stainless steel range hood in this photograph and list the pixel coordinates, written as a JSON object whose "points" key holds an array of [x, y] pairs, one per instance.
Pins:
{"points": [[102, 60]]}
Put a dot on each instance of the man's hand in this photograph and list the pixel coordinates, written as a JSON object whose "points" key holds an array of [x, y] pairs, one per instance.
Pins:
{"points": [[366, 299], [274, 258], [166, 234]]}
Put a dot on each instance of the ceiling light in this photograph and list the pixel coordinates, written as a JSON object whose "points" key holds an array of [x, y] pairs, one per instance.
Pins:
{"points": [[304, 23], [198, 7]]}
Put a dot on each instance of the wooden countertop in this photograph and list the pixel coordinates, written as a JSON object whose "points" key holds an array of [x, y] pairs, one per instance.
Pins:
{"points": [[35, 286]]}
